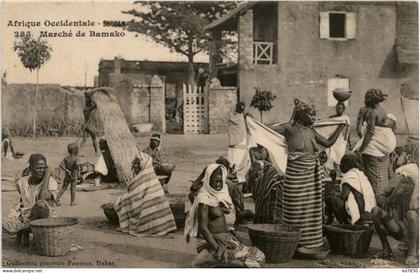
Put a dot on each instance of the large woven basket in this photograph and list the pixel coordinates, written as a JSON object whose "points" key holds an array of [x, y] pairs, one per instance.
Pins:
{"points": [[53, 236], [349, 240], [278, 242]]}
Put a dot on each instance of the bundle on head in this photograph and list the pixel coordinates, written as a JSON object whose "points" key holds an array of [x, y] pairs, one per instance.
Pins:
{"points": [[121, 143]]}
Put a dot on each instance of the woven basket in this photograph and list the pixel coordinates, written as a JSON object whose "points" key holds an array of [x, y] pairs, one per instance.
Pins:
{"points": [[52, 236], [278, 242], [110, 213], [349, 240]]}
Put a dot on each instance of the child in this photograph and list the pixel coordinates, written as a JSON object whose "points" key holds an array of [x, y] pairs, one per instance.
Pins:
{"points": [[70, 165]]}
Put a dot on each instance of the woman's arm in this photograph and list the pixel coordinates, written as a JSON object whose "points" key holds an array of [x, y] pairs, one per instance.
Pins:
{"points": [[281, 129], [369, 131], [331, 140], [360, 120], [203, 218]]}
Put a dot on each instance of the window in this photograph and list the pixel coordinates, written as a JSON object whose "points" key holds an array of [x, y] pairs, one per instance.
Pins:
{"points": [[335, 25], [334, 83]]}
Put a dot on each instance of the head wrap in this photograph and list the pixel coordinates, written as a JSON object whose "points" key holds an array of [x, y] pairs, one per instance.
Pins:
{"points": [[374, 96], [156, 137], [301, 112]]}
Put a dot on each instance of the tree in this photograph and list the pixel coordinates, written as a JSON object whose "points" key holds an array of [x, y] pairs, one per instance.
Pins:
{"points": [[262, 100], [33, 53], [178, 25]]}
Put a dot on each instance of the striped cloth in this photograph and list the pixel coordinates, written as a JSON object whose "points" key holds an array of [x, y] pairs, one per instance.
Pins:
{"points": [[267, 197], [143, 209], [302, 198], [377, 170]]}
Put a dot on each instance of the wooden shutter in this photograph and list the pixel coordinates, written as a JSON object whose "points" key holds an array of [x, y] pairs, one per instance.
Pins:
{"points": [[350, 25], [324, 25]]}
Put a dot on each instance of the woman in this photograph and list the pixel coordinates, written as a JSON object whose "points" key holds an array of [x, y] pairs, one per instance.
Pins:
{"points": [[378, 142], [356, 199], [36, 187], [217, 245], [143, 209], [265, 185], [302, 188], [8, 152]]}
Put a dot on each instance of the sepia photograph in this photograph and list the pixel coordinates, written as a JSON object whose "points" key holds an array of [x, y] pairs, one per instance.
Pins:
{"points": [[209, 134]]}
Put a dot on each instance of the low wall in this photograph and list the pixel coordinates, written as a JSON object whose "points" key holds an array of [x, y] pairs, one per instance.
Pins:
{"points": [[60, 111]]}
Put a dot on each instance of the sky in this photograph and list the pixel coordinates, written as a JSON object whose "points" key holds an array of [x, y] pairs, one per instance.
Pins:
{"points": [[72, 57]]}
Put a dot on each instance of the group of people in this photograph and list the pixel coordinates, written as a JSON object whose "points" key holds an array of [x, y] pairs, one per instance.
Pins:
{"points": [[377, 184]]}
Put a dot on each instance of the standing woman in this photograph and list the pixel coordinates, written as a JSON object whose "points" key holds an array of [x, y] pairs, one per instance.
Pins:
{"points": [[302, 189], [378, 142]]}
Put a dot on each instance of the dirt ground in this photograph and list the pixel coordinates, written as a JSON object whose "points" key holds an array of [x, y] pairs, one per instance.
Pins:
{"points": [[103, 246]]}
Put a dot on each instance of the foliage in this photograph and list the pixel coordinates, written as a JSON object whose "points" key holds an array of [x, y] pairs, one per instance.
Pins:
{"points": [[262, 100], [32, 52], [178, 25], [52, 127]]}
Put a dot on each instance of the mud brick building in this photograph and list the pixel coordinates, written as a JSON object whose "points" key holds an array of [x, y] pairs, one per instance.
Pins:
{"points": [[148, 91], [306, 49]]}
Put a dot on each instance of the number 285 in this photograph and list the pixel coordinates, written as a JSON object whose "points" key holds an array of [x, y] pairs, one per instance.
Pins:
{"points": [[22, 34]]}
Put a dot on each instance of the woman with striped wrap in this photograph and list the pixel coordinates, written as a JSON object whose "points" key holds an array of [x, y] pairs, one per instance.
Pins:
{"points": [[302, 188]]}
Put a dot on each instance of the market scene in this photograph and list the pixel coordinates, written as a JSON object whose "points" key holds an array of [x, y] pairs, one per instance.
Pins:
{"points": [[288, 140]]}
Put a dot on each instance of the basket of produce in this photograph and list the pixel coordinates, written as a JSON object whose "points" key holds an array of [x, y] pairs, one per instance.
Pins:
{"points": [[278, 242], [342, 94], [52, 236], [351, 240], [110, 213], [177, 205]]}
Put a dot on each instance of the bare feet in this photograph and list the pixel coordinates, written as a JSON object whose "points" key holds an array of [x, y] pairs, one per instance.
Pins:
{"points": [[384, 254], [73, 204], [411, 260]]}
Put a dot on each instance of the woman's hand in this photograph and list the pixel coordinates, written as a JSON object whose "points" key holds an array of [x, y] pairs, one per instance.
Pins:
{"points": [[224, 209]]}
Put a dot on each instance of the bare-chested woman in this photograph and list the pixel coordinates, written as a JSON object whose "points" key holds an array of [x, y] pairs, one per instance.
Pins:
{"points": [[378, 142], [217, 246], [302, 189]]}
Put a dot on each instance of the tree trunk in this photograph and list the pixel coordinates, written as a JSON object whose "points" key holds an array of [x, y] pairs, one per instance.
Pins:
{"points": [[261, 116], [36, 104], [191, 71]]}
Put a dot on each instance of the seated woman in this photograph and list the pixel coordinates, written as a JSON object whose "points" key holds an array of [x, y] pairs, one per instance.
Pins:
{"points": [[231, 182], [399, 217], [217, 246], [8, 152], [259, 156], [264, 182], [37, 192], [356, 200]]}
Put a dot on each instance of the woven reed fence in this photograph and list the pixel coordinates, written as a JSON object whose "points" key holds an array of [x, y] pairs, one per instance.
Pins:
{"points": [[121, 142]]}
